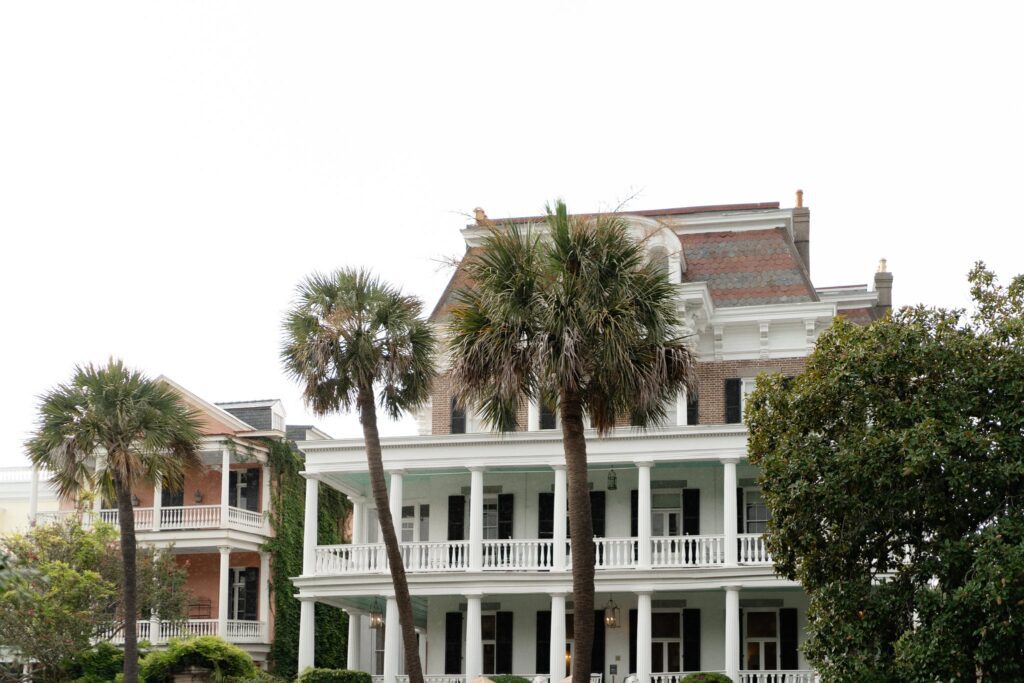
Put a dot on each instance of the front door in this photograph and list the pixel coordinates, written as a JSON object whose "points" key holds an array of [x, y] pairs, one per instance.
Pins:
{"points": [[666, 642]]}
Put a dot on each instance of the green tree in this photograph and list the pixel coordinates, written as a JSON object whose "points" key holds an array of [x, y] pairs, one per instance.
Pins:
{"points": [[134, 430], [577, 317], [894, 470], [351, 341], [65, 594]]}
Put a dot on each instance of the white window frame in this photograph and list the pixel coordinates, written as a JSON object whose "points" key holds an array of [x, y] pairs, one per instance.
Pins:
{"points": [[678, 511], [746, 518], [241, 488], [236, 585], [761, 639], [747, 385], [493, 642], [666, 641], [378, 650], [490, 501], [417, 520]]}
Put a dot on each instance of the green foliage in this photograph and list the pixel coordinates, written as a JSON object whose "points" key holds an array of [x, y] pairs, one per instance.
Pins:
{"points": [[100, 664], [893, 468], [706, 678], [65, 592], [224, 660], [334, 676], [287, 518], [508, 678]]}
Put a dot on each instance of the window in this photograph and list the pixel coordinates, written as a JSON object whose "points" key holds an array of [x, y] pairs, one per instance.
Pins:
{"points": [[458, 418], [666, 514], [243, 593], [489, 630], [237, 593], [762, 646], [378, 650], [666, 642], [415, 523], [733, 400], [548, 416], [755, 512], [490, 518]]}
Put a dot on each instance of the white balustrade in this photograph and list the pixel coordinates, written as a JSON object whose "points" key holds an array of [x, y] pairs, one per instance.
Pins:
{"points": [[246, 519], [242, 631], [142, 632], [800, 676], [436, 556], [190, 517], [753, 549], [518, 554], [187, 629], [349, 559], [687, 551], [615, 553], [444, 678]]}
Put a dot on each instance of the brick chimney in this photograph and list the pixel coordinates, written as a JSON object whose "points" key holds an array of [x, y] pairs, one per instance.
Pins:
{"points": [[802, 230], [883, 285]]}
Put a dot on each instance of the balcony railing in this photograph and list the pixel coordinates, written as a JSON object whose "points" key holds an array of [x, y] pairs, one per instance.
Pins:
{"points": [[458, 678], [800, 676], [158, 633], [537, 554], [171, 518]]}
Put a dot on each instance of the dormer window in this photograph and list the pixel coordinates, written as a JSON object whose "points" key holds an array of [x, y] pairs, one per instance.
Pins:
{"points": [[457, 424]]}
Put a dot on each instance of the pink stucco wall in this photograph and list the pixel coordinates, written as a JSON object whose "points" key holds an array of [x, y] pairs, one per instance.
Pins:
{"points": [[204, 576]]}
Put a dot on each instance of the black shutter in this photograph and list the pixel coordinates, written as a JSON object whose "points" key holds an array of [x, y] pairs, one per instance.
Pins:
{"points": [[742, 646], [456, 518], [597, 654], [634, 504], [788, 639], [545, 515], [733, 404], [597, 504], [547, 416], [252, 592], [739, 510], [233, 488], [252, 489], [632, 641], [692, 410], [691, 512], [691, 640], [543, 662], [503, 643], [457, 424], [453, 643], [231, 594], [505, 510]]}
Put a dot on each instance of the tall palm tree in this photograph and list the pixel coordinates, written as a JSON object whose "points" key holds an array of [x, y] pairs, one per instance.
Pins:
{"points": [[107, 431], [353, 341], [579, 316]]}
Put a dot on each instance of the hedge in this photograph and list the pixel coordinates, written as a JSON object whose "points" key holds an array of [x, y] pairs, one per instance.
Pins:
{"points": [[334, 676], [508, 678], [207, 652], [706, 678]]}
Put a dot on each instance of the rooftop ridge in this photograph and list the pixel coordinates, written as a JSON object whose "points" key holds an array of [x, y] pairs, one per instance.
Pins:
{"points": [[709, 208]]}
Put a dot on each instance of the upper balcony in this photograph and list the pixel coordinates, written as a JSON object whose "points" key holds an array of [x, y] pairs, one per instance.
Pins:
{"points": [[178, 518]]}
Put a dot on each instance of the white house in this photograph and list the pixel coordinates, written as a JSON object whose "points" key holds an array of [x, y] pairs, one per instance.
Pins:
{"points": [[683, 581]]}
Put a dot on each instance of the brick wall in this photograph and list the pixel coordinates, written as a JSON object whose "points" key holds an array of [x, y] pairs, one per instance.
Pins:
{"points": [[441, 408], [711, 378]]}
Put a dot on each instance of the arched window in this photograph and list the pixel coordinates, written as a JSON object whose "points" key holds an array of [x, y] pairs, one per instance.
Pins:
{"points": [[457, 425]]}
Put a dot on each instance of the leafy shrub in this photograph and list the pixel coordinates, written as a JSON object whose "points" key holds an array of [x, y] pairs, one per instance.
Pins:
{"points": [[260, 677], [706, 678], [100, 664], [207, 652], [508, 678], [334, 676]]}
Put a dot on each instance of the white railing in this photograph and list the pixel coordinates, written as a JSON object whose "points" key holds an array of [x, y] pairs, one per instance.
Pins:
{"points": [[187, 629], [674, 677], [240, 631], [349, 559], [687, 551], [800, 676], [176, 518], [57, 516], [434, 557], [143, 631], [615, 553], [245, 518], [518, 554], [191, 517], [753, 550]]}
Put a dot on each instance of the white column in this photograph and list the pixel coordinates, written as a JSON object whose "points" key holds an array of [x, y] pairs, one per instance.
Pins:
{"points": [[476, 519], [158, 493], [643, 515], [222, 599], [33, 496], [533, 416], [556, 660], [558, 532], [729, 511], [307, 623], [395, 501], [392, 641], [358, 520], [225, 481], [681, 413], [264, 604], [354, 633], [643, 637], [732, 633], [474, 639], [309, 526]]}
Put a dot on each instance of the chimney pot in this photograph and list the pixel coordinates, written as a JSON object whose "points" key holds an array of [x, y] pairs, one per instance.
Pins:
{"points": [[480, 215], [799, 199]]}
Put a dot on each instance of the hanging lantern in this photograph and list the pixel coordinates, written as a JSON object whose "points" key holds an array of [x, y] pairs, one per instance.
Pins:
{"points": [[376, 616], [613, 480], [611, 614]]}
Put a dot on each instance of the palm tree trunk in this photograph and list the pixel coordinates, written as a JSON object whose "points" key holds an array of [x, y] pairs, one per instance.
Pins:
{"points": [[126, 520], [581, 534], [375, 465]]}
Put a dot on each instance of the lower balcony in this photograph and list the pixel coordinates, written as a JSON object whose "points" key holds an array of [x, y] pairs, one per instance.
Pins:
{"points": [[539, 555], [236, 631]]}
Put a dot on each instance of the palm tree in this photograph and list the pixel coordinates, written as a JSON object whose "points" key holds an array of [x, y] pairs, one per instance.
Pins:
{"points": [[109, 430], [353, 341], [577, 316]]}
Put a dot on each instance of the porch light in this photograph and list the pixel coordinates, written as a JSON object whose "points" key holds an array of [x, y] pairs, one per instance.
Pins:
{"points": [[197, 496], [135, 501], [376, 617], [612, 480], [611, 614]]}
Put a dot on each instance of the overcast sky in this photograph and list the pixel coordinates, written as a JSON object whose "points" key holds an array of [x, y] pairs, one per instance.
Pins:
{"points": [[169, 171]]}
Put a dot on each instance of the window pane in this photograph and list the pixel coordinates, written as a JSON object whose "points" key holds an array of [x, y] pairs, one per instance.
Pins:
{"points": [[761, 625], [754, 656], [770, 657], [665, 624], [663, 501], [673, 524], [488, 658], [408, 511], [487, 626], [658, 525], [657, 658], [672, 659], [568, 627]]}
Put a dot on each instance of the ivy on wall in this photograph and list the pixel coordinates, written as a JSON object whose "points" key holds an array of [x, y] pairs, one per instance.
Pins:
{"points": [[287, 513]]}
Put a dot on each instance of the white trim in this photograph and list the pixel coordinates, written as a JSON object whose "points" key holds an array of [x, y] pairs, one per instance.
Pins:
{"points": [[221, 414]]}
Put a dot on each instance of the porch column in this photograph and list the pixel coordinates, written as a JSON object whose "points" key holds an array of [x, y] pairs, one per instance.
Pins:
{"points": [[158, 495], [556, 660], [354, 632], [643, 637], [732, 632], [222, 599], [309, 526], [307, 623], [225, 481], [533, 416], [395, 501], [681, 413], [264, 600], [33, 496], [558, 535], [476, 520], [643, 515], [474, 639], [729, 510], [358, 519], [392, 641]]}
